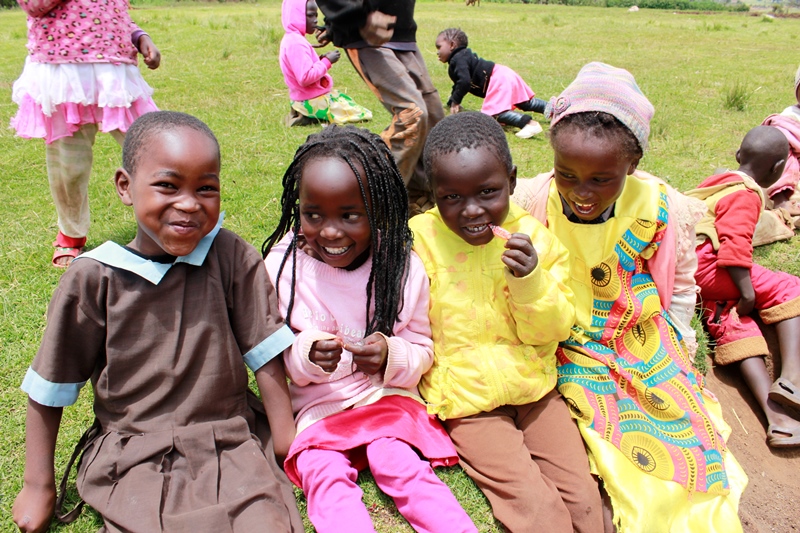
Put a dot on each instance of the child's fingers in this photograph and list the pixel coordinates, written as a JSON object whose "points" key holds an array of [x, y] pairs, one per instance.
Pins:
{"points": [[519, 263], [366, 350]]}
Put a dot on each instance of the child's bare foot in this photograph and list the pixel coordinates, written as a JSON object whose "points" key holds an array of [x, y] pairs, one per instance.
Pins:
{"points": [[784, 200]]}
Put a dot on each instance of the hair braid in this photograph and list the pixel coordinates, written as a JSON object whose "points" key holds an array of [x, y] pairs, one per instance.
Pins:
{"points": [[387, 213]]}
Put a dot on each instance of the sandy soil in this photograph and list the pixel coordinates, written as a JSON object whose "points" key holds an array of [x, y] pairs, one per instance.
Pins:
{"points": [[772, 499]]}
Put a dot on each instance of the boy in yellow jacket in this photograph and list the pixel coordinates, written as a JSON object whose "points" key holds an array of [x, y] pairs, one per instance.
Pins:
{"points": [[499, 306]]}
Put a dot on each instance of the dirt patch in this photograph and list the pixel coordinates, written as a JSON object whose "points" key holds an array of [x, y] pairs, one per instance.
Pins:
{"points": [[771, 502]]}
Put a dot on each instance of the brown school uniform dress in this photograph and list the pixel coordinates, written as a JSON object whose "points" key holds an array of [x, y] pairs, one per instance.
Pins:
{"points": [[177, 450]]}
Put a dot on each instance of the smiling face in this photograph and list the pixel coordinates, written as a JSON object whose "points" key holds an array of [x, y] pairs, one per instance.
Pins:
{"points": [[444, 48], [311, 16], [472, 189], [590, 172], [174, 192], [333, 216]]}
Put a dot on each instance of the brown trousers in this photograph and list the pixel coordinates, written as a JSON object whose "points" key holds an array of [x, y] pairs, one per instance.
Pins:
{"points": [[401, 82], [530, 462]]}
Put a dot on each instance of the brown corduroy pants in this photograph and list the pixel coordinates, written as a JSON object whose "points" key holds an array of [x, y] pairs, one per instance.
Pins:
{"points": [[530, 462]]}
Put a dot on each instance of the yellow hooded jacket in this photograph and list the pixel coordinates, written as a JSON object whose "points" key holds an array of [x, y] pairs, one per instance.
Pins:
{"points": [[494, 335]]}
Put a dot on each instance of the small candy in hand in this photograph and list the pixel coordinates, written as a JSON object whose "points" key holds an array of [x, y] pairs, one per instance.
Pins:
{"points": [[500, 232]]}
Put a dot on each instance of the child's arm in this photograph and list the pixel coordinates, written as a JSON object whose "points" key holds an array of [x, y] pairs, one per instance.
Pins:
{"points": [[542, 302], [271, 380], [736, 217], [459, 73], [408, 354], [35, 503], [741, 278], [148, 49], [306, 67]]}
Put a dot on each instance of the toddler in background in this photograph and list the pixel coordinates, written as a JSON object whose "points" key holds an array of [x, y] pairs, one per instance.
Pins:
{"points": [[80, 76], [357, 296], [306, 74], [499, 305], [655, 437], [164, 327], [501, 88], [783, 193], [732, 286]]}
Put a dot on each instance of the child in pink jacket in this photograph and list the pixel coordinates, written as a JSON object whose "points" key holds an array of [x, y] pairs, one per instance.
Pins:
{"points": [[306, 74]]}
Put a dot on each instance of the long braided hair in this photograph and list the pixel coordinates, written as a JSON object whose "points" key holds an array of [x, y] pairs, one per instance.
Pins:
{"points": [[387, 212]]}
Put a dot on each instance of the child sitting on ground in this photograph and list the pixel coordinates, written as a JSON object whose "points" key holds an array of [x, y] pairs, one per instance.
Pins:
{"points": [[732, 286], [502, 89], [358, 298], [313, 97], [783, 193], [163, 327], [499, 305], [655, 438]]}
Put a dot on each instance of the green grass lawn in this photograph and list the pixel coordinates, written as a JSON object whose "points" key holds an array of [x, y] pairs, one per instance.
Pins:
{"points": [[220, 63]]}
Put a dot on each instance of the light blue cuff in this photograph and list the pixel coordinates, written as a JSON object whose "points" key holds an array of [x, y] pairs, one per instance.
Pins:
{"points": [[48, 393], [269, 348]]}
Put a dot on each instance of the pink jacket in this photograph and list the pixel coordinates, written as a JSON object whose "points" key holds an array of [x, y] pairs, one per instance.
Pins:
{"points": [[790, 127], [305, 74], [80, 31], [331, 302]]}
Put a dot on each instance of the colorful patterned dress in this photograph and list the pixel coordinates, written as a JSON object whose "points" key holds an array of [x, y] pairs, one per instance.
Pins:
{"points": [[654, 436]]}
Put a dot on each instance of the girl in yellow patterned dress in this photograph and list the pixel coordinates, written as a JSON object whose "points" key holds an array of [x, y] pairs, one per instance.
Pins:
{"points": [[655, 437]]}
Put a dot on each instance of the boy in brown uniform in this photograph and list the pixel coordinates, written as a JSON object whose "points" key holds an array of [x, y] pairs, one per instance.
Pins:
{"points": [[164, 327]]}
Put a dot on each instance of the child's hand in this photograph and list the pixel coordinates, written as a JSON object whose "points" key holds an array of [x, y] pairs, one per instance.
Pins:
{"points": [[378, 29], [326, 354], [371, 357], [152, 57], [33, 509], [455, 108], [745, 305], [520, 255], [321, 34], [333, 56]]}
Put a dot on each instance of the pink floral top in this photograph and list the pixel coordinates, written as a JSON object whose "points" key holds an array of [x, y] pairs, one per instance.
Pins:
{"points": [[80, 31]]}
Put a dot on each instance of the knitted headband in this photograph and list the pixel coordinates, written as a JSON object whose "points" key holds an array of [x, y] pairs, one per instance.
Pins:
{"points": [[601, 87]]}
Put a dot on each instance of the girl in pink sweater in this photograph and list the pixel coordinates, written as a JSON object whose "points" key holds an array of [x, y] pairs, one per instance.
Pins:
{"points": [[80, 76], [357, 298], [311, 91]]}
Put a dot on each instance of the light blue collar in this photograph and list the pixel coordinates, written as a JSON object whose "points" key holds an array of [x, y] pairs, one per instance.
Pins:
{"points": [[112, 254]]}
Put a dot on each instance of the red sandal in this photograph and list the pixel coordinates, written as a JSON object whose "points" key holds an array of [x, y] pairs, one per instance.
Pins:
{"points": [[67, 247]]}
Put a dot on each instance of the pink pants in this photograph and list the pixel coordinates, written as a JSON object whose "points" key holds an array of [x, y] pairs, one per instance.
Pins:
{"points": [[334, 499], [777, 299]]}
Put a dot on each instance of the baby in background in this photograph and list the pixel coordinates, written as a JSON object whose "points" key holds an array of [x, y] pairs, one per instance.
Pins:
{"points": [[502, 89], [498, 310], [163, 327], [311, 91], [733, 286], [783, 193], [357, 296]]}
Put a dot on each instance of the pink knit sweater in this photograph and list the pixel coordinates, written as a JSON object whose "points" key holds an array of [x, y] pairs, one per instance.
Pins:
{"points": [[331, 302]]}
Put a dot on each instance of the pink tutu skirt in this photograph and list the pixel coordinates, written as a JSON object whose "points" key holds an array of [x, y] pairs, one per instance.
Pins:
{"points": [[505, 89], [392, 416], [55, 100]]}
